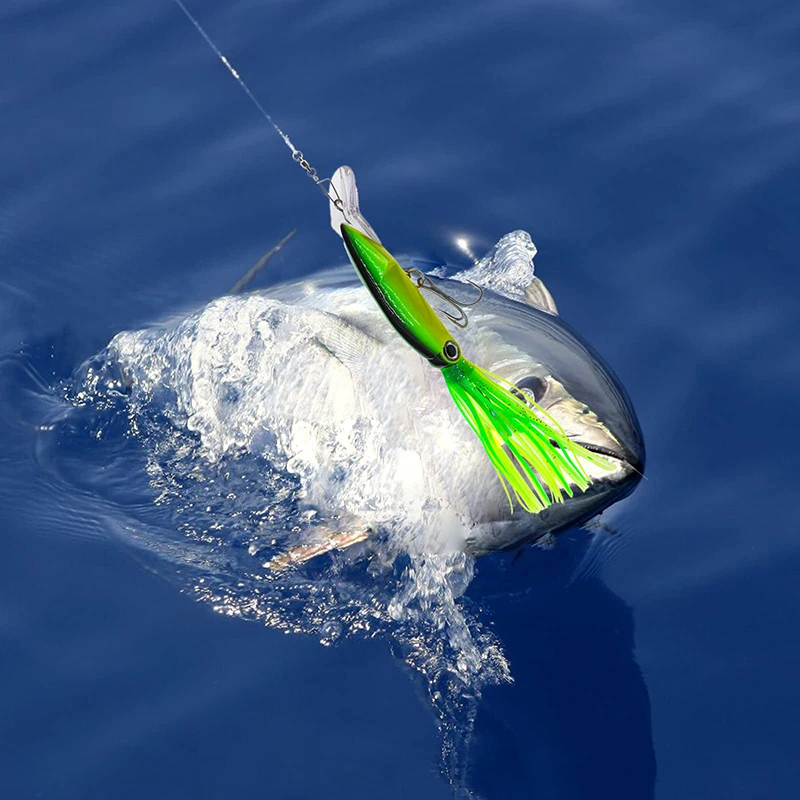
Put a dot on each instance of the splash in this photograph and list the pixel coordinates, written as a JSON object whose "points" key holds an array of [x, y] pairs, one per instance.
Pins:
{"points": [[218, 440], [216, 498]]}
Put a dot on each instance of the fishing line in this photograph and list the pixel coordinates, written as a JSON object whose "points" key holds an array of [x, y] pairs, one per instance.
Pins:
{"points": [[297, 155]]}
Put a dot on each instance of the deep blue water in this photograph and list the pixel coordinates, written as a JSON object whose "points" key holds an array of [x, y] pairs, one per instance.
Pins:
{"points": [[651, 151]]}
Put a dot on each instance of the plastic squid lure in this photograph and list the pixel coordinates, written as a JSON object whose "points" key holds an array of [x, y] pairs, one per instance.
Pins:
{"points": [[536, 461]]}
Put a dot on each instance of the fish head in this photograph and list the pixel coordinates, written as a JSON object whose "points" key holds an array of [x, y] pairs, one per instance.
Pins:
{"points": [[516, 333], [570, 382]]}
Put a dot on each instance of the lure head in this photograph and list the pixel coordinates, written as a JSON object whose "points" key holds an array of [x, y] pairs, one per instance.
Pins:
{"points": [[400, 298]]}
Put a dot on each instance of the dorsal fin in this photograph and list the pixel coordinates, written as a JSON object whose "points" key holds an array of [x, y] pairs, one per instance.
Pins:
{"points": [[538, 296]]}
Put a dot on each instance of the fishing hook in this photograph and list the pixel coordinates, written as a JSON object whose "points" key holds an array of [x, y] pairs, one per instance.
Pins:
{"points": [[424, 282]]}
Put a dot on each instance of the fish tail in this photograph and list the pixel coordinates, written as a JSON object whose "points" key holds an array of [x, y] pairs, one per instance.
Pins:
{"points": [[536, 461]]}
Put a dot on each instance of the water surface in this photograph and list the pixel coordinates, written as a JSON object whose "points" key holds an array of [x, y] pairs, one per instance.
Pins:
{"points": [[650, 151]]}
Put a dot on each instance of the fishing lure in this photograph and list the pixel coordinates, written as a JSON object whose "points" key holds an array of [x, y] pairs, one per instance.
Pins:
{"points": [[536, 461]]}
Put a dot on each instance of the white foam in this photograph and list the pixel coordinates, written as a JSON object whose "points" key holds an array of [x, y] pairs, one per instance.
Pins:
{"points": [[373, 435]]}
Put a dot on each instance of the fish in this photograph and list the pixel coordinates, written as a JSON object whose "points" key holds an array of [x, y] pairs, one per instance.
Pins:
{"points": [[308, 374]]}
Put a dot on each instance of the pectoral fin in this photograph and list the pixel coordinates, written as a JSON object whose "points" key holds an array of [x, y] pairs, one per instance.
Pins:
{"points": [[538, 296], [324, 542], [344, 341]]}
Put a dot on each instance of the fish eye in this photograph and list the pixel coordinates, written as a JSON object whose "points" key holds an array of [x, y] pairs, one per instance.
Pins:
{"points": [[450, 350], [533, 387]]}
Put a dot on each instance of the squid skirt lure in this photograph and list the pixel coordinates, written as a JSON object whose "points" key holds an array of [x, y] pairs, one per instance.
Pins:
{"points": [[536, 461]]}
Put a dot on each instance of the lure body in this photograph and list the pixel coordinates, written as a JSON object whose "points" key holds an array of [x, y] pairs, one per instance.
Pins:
{"points": [[536, 461], [410, 314]]}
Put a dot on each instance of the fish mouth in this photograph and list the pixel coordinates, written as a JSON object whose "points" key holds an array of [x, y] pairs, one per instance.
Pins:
{"points": [[606, 487], [600, 450], [637, 465], [616, 479], [614, 453], [607, 484]]}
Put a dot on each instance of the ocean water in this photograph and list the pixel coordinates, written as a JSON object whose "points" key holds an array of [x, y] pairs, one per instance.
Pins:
{"points": [[651, 152]]}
